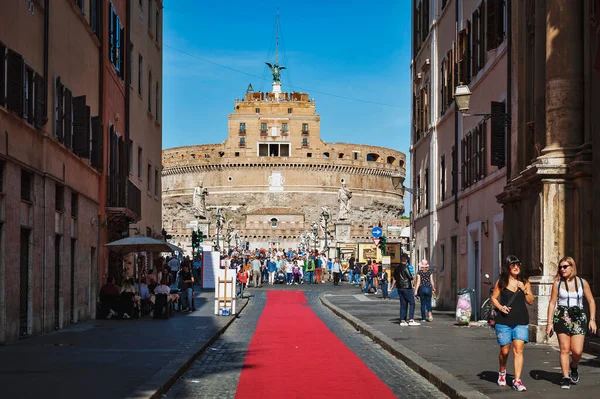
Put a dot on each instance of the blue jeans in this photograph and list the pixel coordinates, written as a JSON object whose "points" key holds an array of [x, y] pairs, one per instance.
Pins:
{"points": [[350, 276], [370, 285], [506, 334], [407, 297], [289, 278], [188, 297], [425, 295], [384, 289], [311, 276], [357, 278]]}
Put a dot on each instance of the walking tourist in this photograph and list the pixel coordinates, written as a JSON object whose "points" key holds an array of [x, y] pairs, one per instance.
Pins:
{"points": [[568, 318], [425, 288], [336, 268], [310, 269], [404, 285], [511, 295], [187, 286], [272, 266], [256, 272], [174, 267], [370, 278], [382, 277]]}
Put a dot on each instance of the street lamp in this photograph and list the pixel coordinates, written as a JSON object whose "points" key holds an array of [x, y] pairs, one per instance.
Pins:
{"points": [[229, 231], [219, 228], [397, 182], [462, 97], [325, 215]]}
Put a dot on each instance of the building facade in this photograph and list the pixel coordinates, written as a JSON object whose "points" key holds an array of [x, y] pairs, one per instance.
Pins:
{"points": [[49, 160], [457, 223], [554, 158], [273, 175]]}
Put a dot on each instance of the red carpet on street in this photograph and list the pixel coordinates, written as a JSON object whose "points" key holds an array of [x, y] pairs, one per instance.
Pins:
{"points": [[294, 355]]}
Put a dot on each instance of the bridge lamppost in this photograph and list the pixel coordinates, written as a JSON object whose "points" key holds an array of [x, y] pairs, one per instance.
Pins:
{"points": [[325, 215]]}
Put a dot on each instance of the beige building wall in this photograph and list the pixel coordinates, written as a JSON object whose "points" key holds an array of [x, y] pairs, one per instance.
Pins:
{"points": [[460, 236], [145, 61], [49, 222]]}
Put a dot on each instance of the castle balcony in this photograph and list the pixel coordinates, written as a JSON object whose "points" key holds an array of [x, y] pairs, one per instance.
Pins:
{"points": [[242, 132], [263, 132], [305, 132]]}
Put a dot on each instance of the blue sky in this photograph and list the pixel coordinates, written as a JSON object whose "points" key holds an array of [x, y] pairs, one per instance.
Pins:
{"points": [[349, 48]]}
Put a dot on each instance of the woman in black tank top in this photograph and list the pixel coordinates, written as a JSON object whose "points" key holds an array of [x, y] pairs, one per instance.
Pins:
{"points": [[511, 296]]}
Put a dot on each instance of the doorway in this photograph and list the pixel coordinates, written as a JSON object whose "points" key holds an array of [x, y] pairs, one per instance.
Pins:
{"points": [[57, 240], [72, 298], [453, 268]]}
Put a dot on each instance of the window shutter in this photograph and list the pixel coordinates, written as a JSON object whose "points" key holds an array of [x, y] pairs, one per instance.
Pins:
{"points": [[483, 150], [425, 26], [474, 35], [58, 128], [97, 143], [68, 118], [15, 78], [111, 32], [462, 78], [40, 101], [442, 84], [482, 36], [94, 16], [122, 53], [2, 74], [79, 120], [498, 138], [500, 34], [454, 77], [467, 57], [491, 31], [463, 169]]}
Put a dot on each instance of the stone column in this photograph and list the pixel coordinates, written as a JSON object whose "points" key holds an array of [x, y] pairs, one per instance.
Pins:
{"points": [[564, 76]]}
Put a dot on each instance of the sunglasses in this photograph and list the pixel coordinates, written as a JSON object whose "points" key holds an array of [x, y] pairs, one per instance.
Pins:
{"points": [[515, 265], [563, 267]]}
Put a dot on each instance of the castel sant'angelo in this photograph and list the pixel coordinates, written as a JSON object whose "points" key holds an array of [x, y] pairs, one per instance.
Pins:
{"points": [[273, 176]]}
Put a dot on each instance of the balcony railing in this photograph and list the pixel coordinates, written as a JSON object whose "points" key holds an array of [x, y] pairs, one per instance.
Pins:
{"points": [[242, 144], [305, 132], [263, 132], [124, 197], [242, 132]]}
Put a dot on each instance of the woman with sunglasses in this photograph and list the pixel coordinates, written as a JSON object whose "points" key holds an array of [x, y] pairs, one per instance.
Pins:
{"points": [[511, 295], [569, 319]]}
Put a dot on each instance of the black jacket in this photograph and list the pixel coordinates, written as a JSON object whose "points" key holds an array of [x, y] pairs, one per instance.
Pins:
{"points": [[402, 277]]}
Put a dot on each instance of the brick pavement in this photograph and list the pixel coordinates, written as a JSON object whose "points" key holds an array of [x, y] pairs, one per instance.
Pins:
{"points": [[108, 358], [215, 373], [468, 353]]}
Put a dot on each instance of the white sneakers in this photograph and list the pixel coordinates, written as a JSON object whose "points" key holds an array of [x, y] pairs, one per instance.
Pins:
{"points": [[410, 323]]}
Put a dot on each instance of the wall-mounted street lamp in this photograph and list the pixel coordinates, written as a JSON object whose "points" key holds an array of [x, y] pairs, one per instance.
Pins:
{"points": [[398, 181], [462, 96]]}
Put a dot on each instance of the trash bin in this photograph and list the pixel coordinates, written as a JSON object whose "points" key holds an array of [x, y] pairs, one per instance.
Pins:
{"points": [[465, 306]]}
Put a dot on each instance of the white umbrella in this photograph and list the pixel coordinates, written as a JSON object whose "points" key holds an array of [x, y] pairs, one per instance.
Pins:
{"points": [[174, 248], [139, 243]]}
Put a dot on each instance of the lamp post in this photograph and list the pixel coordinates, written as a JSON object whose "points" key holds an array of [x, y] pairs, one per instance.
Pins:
{"points": [[398, 182], [462, 97], [325, 215], [229, 231], [219, 228]]}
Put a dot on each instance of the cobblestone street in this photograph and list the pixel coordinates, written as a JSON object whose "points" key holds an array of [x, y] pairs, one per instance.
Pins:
{"points": [[215, 374]]}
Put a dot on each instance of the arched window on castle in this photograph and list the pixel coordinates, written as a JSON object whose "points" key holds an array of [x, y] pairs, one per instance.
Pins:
{"points": [[274, 222], [372, 157]]}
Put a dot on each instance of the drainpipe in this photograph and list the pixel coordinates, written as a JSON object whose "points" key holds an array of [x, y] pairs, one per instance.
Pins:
{"points": [[508, 89], [455, 162], [44, 249]]}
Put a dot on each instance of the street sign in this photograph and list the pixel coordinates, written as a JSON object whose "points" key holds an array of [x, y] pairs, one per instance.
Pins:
{"points": [[193, 224], [386, 260], [376, 241], [376, 232]]}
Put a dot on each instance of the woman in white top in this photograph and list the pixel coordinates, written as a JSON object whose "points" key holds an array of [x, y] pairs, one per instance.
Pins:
{"points": [[569, 319]]}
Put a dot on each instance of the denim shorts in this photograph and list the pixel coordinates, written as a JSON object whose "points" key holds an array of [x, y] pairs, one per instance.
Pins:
{"points": [[507, 334]]}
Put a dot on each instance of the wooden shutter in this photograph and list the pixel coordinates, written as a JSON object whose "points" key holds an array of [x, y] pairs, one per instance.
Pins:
{"points": [[2, 74], [97, 143], [463, 157], [40, 101], [59, 132], [475, 40], [498, 138], [425, 26], [122, 53], [482, 35], [95, 16], [442, 92], [68, 118], [79, 120], [454, 73], [15, 78], [461, 56], [492, 30], [468, 53], [483, 150]]}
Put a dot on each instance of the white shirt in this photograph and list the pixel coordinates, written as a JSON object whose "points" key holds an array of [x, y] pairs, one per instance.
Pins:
{"points": [[174, 264], [336, 268], [162, 289], [569, 298]]}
